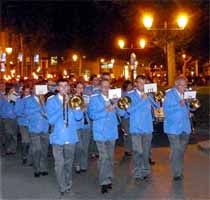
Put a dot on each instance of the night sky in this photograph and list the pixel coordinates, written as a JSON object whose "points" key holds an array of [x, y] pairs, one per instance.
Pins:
{"points": [[92, 26]]}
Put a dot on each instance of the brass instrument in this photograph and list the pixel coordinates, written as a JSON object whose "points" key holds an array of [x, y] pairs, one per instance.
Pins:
{"points": [[158, 112], [194, 104], [76, 102], [124, 102], [159, 96], [42, 99]]}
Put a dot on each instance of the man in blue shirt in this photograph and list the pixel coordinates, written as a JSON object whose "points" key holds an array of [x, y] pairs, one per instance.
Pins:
{"points": [[23, 123], [7, 110], [35, 113], [83, 131], [64, 134], [141, 128], [177, 125], [105, 133]]}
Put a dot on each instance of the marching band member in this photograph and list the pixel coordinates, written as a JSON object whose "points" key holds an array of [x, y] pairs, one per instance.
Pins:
{"points": [[127, 86], [177, 125], [105, 132], [94, 87], [2, 94], [89, 90], [83, 131], [141, 128], [35, 112], [9, 119], [64, 134], [23, 122]]}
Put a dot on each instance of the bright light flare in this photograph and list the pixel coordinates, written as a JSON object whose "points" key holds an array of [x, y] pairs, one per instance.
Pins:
{"points": [[148, 21], [142, 43], [9, 50], [64, 72], [182, 21], [75, 57], [121, 43]]}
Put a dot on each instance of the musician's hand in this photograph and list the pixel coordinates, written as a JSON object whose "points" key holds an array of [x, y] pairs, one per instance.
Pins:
{"points": [[182, 102], [110, 108], [84, 108], [144, 96], [66, 99]]}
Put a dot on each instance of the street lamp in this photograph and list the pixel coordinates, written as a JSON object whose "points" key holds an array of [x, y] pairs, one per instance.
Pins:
{"points": [[121, 43], [133, 62], [148, 21], [9, 50], [182, 21], [142, 43], [75, 57]]}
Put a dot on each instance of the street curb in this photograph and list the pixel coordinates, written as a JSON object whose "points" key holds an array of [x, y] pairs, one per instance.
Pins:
{"points": [[204, 146]]}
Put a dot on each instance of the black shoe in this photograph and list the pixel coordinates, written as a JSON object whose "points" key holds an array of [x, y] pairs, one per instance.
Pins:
{"points": [[24, 161], [178, 178], [127, 154], [68, 190], [151, 162], [44, 173], [61, 195], [36, 174], [109, 186], [138, 181], [77, 169], [104, 189]]}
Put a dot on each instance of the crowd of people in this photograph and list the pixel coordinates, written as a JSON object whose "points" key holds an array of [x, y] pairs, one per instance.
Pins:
{"points": [[93, 128]]}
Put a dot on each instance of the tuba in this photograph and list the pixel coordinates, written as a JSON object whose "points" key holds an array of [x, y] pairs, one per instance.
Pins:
{"points": [[124, 102], [76, 102]]}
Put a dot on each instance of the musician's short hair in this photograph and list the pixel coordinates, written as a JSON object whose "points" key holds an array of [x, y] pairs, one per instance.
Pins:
{"points": [[180, 78], [104, 80], [93, 76], [61, 80], [140, 77], [125, 84]]}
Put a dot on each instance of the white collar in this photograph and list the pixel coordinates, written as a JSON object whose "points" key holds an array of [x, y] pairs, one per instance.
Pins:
{"points": [[27, 96], [180, 95], [37, 99], [60, 97], [139, 92], [105, 98]]}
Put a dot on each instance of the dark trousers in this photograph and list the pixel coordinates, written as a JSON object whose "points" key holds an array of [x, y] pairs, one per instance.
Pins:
{"points": [[64, 157], [40, 143]]}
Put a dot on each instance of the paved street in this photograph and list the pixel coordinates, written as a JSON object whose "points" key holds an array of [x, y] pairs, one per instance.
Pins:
{"points": [[17, 182]]}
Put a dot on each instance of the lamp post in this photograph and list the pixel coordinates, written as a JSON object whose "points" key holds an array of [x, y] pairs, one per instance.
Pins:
{"points": [[133, 61], [182, 21], [78, 58], [9, 52]]}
